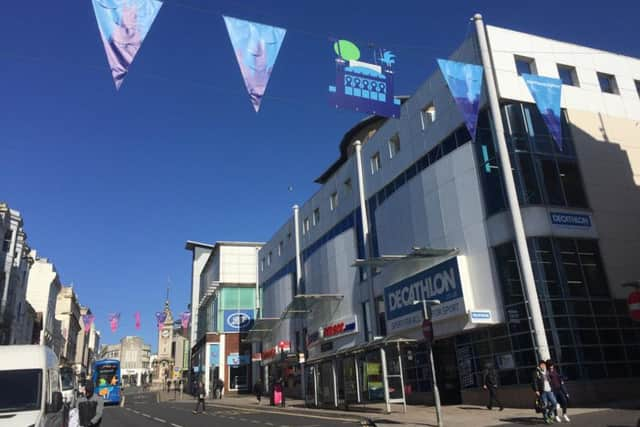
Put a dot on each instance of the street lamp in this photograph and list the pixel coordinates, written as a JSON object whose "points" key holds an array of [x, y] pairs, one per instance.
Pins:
{"points": [[426, 311]]}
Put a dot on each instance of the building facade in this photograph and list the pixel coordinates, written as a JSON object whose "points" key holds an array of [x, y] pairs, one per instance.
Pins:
{"points": [[68, 313], [200, 254], [135, 362], [14, 271], [338, 319], [226, 309]]}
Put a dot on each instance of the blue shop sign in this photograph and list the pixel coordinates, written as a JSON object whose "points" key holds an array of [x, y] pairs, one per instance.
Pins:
{"points": [[570, 219], [238, 320]]}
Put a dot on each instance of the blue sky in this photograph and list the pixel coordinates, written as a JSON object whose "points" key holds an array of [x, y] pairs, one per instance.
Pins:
{"points": [[112, 184]]}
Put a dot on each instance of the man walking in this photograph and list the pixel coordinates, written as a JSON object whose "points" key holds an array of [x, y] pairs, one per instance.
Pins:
{"points": [[90, 407], [490, 383], [542, 386], [200, 391], [258, 389]]}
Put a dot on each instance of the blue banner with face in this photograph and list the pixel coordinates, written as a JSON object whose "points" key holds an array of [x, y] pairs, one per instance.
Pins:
{"points": [[366, 87], [465, 84], [240, 320], [547, 91]]}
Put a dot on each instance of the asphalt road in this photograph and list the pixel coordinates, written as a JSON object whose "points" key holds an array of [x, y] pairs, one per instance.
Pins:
{"points": [[608, 418], [142, 409]]}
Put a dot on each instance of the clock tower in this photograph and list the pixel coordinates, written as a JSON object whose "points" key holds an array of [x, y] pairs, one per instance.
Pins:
{"points": [[165, 338]]}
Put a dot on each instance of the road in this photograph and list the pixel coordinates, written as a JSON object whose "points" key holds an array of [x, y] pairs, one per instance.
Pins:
{"points": [[142, 409]]}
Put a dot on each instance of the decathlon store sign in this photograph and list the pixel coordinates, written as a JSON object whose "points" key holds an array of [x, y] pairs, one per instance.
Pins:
{"points": [[441, 282]]}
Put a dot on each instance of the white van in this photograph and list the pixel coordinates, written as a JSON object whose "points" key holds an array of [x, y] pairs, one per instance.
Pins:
{"points": [[30, 387]]}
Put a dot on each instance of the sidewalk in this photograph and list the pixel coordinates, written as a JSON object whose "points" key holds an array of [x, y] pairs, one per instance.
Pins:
{"points": [[453, 415]]}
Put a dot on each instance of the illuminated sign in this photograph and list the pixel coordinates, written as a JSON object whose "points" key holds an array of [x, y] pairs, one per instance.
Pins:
{"points": [[339, 329]]}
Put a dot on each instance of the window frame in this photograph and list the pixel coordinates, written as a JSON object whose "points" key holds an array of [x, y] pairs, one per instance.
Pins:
{"points": [[394, 145], [530, 62], [333, 201], [428, 115], [316, 216], [573, 74], [376, 163], [611, 79]]}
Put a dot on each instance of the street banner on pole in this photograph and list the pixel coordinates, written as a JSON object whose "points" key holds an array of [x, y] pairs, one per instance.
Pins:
{"points": [[184, 319], [123, 25], [138, 320], [363, 86], [114, 321], [465, 84], [87, 321], [161, 316], [547, 91], [256, 47]]}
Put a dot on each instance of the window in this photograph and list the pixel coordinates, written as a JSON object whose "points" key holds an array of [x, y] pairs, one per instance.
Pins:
{"points": [[269, 257], [608, 83], [7, 241], [333, 201], [347, 185], [376, 164], [306, 226], [637, 82], [568, 75], [280, 246], [394, 146], [316, 216], [428, 115], [525, 65]]}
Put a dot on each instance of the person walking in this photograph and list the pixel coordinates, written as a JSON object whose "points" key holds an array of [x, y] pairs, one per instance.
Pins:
{"points": [[90, 407], [200, 392], [558, 389], [258, 389], [490, 383], [542, 387], [219, 388]]}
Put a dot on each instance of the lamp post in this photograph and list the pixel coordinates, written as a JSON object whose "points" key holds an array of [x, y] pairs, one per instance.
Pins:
{"points": [[426, 311]]}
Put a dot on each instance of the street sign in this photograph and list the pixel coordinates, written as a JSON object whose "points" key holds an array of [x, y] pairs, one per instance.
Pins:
{"points": [[427, 330], [634, 305]]}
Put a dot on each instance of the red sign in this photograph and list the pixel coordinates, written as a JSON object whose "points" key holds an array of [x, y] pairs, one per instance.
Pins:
{"points": [[256, 357], [634, 305], [427, 330], [333, 330], [269, 354], [284, 345]]}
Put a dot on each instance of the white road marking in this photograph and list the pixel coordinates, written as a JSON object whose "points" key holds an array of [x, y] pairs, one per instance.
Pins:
{"points": [[269, 424], [135, 412], [146, 415], [176, 425], [160, 420]]}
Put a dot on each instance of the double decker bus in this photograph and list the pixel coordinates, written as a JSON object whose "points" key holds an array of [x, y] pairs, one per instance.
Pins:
{"points": [[106, 377]]}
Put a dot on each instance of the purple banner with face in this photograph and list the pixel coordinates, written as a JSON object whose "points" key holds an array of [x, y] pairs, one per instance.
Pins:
{"points": [[161, 316], [547, 92], [114, 321], [256, 47], [184, 319], [465, 85], [138, 321], [123, 26], [87, 321]]}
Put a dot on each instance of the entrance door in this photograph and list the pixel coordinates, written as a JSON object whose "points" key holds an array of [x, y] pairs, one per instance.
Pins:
{"points": [[444, 355], [239, 377]]}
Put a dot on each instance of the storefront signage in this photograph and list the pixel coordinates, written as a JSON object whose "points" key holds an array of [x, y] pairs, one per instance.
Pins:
{"points": [[481, 316], [269, 354], [256, 357], [327, 346], [238, 320], [570, 220], [235, 359], [335, 330], [441, 282]]}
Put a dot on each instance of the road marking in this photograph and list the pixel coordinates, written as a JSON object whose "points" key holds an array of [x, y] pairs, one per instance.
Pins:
{"points": [[269, 424], [146, 415], [135, 412], [176, 425], [293, 414], [160, 420]]}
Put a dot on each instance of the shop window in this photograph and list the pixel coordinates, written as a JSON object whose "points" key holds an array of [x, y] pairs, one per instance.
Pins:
{"points": [[525, 65], [608, 83], [568, 75]]}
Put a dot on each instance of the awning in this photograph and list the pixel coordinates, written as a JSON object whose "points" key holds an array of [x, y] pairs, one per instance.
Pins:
{"points": [[371, 345], [261, 328], [301, 305], [418, 254]]}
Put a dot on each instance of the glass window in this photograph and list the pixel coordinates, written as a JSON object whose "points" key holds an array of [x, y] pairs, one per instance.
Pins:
{"points": [[529, 191], [592, 268], [572, 184], [637, 82], [306, 225], [376, 164], [316, 216], [525, 65], [568, 75], [394, 146], [269, 257], [280, 246], [551, 181], [509, 273], [571, 267], [608, 83], [20, 390], [428, 115], [333, 201]]}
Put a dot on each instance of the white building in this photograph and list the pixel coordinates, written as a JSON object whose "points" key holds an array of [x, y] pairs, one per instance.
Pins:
{"points": [[134, 359], [14, 271], [43, 288], [200, 254], [68, 313], [438, 221]]}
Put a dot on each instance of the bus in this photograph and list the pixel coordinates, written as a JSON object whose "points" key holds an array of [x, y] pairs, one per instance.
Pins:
{"points": [[106, 378]]}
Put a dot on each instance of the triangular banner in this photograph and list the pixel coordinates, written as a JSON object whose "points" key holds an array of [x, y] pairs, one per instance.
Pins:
{"points": [[137, 317], [465, 84], [161, 316], [114, 321], [256, 47], [87, 320], [547, 91], [185, 317], [123, 26]]}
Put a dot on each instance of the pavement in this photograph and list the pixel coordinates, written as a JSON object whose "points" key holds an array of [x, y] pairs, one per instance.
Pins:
{"points": [[158, 409]]}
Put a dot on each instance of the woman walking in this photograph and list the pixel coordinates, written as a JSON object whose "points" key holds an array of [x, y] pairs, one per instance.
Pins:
{"points": [[558, 388]]}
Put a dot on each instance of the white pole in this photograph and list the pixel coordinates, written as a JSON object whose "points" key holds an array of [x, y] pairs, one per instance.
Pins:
{"points": [[296, 226], [365, 236], [512, 197]]}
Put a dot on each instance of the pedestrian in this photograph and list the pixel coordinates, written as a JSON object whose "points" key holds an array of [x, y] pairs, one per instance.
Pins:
{"points": [[90, 407], [558, 388], [220, 388], [490, 383], [258, 389], [200, 391], [542, 386]]}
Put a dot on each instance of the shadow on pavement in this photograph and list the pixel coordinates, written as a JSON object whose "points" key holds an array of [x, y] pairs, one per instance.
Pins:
{"points": [[527, 421]]}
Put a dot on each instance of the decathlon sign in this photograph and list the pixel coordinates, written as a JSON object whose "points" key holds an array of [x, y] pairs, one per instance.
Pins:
{"points": [[570, 220], [441, 282]]}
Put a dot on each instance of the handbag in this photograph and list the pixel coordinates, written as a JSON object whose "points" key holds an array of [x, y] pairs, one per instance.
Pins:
{"points": [[538, 406]]}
